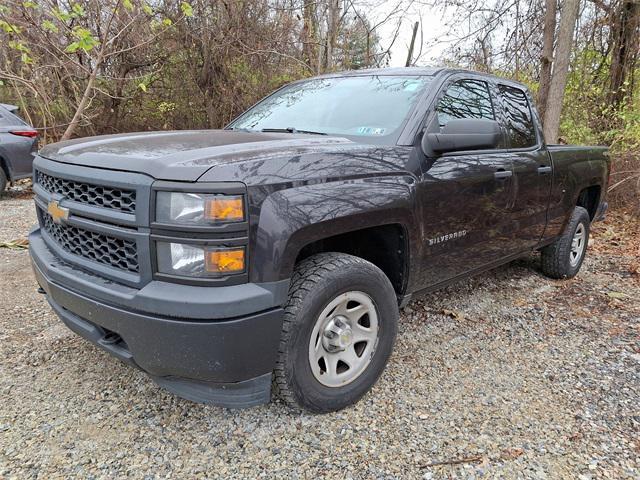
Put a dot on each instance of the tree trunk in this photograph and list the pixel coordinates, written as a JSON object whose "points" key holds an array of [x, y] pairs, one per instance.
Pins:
{"points": [[332, 32], [310, 34], [625, 38], [558, 83], [84, 101], [516, 73], [71, 128], [368, 54], [546, 61], [413, 41], [482, 55]]}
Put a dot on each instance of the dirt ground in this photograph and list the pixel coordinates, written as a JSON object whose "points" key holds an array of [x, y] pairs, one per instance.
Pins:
{"points": [[506, 375]]}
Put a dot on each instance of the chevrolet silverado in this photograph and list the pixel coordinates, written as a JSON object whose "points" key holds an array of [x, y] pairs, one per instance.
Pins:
{"points": [[275, 254]]}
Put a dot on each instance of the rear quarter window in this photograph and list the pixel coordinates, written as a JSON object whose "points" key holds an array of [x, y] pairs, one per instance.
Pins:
{"points": [[516, 112], [7, 118]]}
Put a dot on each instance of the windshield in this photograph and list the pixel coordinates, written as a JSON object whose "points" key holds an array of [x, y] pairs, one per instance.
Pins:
{"points": [[361, 106]]}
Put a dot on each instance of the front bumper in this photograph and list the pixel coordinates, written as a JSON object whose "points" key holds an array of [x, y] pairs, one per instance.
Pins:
{"points": [[225, 361]]}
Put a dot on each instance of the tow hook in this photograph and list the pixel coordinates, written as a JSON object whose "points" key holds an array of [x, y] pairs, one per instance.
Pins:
{"points": [[111, 338]]}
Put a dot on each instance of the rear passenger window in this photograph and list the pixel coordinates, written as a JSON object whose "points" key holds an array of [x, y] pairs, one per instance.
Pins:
{"points": [[517, 113], [8, 119], [465, 99]]}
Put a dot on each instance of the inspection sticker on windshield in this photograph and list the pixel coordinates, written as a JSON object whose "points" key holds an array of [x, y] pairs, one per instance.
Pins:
{"points": [[371, 131]]}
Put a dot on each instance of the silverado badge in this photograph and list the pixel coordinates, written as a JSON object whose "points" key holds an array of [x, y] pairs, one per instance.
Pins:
{"points": [[447, 237], [57, 212]]}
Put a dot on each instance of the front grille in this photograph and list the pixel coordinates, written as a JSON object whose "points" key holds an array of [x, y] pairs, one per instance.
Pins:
{"points": [[95, 195], [105, 249]]}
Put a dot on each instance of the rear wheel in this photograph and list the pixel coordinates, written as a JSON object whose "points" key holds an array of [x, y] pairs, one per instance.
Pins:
{"points": [[3, 181], [564, 257], [338, 333]]}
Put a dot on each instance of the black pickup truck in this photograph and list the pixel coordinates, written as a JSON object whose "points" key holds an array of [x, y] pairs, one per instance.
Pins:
{"points": [[277, 252]]}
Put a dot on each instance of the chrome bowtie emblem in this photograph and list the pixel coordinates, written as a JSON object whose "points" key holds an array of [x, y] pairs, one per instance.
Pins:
{"points": [[57, 212]]}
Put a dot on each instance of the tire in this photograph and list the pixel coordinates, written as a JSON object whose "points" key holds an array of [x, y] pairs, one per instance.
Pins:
{"points": [[559, 259], [322, 287], [3, 181]]}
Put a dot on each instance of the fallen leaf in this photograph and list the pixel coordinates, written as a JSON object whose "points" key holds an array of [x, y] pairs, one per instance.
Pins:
{"points": [[617, 294], [453, 314], [19, 244], [511, 453], [575, 436]]}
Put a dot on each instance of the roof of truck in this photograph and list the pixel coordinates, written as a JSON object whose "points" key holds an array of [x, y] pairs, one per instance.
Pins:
{"points": [[417, 71], [389, 71]]}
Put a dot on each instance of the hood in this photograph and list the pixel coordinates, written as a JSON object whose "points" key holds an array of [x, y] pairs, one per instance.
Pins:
{"points": [[183, 155]]}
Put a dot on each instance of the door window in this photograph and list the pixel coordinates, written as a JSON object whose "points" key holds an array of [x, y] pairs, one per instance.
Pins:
{"points": [[517, 114], [465, 99]]}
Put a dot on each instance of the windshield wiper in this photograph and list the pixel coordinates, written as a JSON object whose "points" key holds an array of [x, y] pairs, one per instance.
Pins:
{"points": [[291, 130]]}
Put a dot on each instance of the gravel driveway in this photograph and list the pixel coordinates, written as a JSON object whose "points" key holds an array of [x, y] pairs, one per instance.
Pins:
{"points": [[506, 375]]}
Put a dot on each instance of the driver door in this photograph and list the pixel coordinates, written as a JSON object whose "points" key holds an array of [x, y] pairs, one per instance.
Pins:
{"points": [[466, 197]]}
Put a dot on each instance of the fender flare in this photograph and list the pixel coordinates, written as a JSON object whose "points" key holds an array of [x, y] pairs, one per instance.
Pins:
{"points": [[292, 218]]}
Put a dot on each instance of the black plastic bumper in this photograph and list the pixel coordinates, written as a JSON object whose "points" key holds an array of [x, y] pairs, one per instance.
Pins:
{"points": [[227, 362]]}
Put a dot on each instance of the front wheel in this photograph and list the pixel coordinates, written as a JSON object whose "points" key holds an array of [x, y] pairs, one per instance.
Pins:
{"points": [[338, 333], [564, 257]]}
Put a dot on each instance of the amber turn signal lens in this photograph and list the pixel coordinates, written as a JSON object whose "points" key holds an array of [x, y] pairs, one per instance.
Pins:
{"points": [[225, 261], [224, 209]]}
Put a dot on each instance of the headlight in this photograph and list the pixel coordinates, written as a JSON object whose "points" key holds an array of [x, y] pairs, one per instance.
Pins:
{"points": [[198, 208], [199, 261]]}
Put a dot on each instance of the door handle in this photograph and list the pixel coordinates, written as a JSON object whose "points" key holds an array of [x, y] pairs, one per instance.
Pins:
{"points": [[544, 169], [503, 174]]}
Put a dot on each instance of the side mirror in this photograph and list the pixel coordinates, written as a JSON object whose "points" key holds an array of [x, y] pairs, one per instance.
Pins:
{"points": [[463, 134]]}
